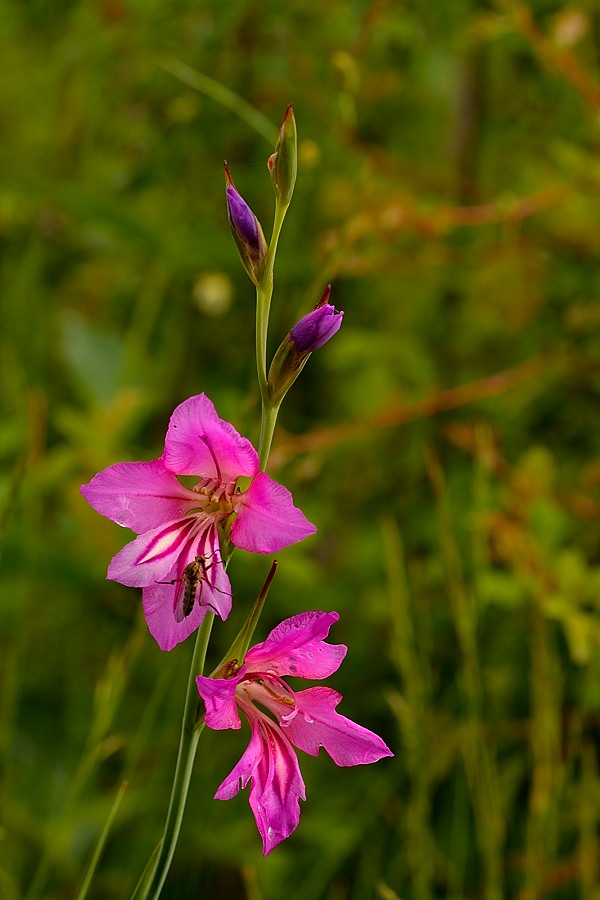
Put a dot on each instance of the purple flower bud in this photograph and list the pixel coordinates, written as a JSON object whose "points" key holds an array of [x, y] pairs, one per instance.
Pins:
{"points": [[246, 231], [241, 217], [317, 327], [310, 333]]}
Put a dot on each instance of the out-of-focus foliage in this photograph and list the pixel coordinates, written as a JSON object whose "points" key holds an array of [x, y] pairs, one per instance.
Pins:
{"points": [[446, 442]]}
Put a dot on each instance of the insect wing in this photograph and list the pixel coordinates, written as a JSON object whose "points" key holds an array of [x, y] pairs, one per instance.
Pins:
{"points": [[185, 593], [189, 593], [196, 576]]}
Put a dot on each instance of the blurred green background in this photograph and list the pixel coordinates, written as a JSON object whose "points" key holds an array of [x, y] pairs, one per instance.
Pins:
{"points": [[445, 442]]}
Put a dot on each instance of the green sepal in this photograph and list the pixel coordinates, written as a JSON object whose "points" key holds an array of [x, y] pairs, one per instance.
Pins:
{"points": [[234, 658], [283, 163], [283, 371]]}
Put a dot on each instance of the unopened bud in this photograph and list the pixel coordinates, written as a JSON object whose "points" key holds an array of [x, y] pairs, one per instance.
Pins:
{"points": [[283, 163], [310, 333], [246, 230], [317, 327]]}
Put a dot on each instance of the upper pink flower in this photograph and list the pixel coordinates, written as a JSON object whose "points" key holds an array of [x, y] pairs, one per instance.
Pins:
{"points": [[303, 719], [176, 559]]}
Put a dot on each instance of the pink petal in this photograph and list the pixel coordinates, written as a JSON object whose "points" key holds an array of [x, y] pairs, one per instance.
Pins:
{"points": [[158, 610], [297, 647], [152, 556], [139, 495], [216, 590], [159, 598], [267, 520], [277, 785], [219, 699], [317, 725], [198, 442]]}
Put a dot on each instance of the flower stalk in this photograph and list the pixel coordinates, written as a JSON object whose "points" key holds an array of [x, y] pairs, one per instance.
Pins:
{"points": [[151, 884], [191, 729], [264, 294], [283, 166]]}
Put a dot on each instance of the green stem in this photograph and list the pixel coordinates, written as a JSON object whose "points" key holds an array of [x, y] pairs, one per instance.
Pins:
{"points": [[263, 304], [219, 93], [267, 427], [264, 293], [191, 730], [83, 892]]}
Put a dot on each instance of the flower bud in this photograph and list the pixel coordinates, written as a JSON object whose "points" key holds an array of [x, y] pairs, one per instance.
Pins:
{"points": [[310, 333], [283, 163], [317, 327], [246, 230]]}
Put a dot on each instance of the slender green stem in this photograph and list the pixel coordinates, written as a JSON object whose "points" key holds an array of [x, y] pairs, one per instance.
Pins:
{"points": [[83, 891], [278, 218], [264, 292], [267, 427], [220, 93], [263, 303], [188, 743]]}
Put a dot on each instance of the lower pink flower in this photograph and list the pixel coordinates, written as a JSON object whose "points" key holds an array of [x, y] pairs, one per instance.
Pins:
{"points": [[304, 719]]}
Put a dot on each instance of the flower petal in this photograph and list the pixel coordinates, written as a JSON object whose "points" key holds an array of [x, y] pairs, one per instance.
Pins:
{"points": [[277, 785], [267, 520], [139, 495], [158, 610], [315, 329], [297, 647], [198, 442], [216, 589], [317, 725], [154, 555], [219, 699], [160, 598]]}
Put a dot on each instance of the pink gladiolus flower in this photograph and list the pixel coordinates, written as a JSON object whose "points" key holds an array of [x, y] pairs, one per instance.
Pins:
{"points": [[304, 719], [176, 559]]}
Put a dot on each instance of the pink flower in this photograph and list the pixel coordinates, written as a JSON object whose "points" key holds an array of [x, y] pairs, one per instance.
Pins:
{"points": [[303, 719], [176, 559]]}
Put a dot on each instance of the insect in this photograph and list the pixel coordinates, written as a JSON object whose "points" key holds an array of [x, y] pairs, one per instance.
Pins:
{"points": [[192, 582]]}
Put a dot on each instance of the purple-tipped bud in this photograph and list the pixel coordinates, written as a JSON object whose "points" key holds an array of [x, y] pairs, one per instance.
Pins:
{"points": [[310, 333], [317, 327], [241, 217], [246, 230]]}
